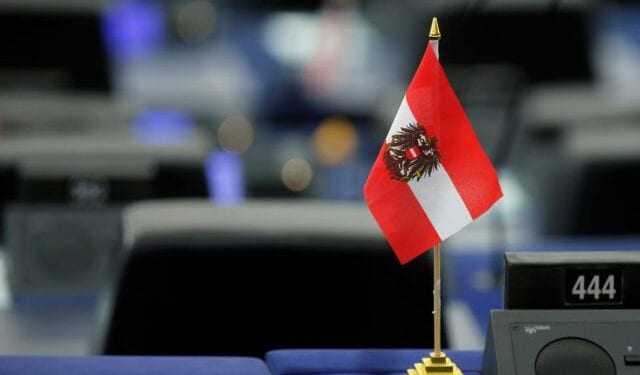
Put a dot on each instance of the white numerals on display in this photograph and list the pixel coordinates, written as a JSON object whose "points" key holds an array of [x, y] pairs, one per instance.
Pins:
{"points": [[578, 288], [593, 289], [608, 288]]}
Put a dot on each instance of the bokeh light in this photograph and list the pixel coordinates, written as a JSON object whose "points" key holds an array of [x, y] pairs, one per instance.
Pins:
{"points": [[163, 126], [133, 29], [335, 140], [296, 174], [236, 134], [225, 177], [196, 21]]}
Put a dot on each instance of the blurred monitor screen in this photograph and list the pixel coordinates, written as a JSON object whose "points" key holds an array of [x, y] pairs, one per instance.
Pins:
{"points": [[51, 48], [278, 4], [549, 46]]}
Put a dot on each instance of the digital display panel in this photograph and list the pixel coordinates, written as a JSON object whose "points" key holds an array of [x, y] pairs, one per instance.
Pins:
{"points": [[593, 286]]}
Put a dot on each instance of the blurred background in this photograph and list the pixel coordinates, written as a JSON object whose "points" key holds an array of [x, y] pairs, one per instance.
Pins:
{"points": [[107, 103]]}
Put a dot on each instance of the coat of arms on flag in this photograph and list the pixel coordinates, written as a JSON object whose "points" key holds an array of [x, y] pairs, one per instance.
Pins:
{"points": [[431, 177], [412, 154]]}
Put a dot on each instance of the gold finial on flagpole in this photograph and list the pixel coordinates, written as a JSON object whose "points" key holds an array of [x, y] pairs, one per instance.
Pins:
{"points": [[434, 32]]}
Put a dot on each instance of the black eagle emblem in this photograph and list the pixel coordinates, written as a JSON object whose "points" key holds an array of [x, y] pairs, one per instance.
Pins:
{"points": [[412, 154]]}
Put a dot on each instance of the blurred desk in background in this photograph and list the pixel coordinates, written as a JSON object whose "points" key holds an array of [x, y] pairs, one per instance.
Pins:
{"points": [[577, 156], [46, 329], [5, 302], [61, 328], [570, 105], [472, 288]]}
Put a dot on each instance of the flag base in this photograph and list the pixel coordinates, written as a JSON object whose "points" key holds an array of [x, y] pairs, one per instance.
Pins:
{"points": [[435, 365]]}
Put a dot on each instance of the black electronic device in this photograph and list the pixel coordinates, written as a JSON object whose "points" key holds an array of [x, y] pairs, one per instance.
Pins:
{"points": [[563, 342], [572, 280]]}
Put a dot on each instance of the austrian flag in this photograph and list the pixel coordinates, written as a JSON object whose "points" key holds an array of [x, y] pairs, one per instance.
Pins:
{"points": [[431, 177]]}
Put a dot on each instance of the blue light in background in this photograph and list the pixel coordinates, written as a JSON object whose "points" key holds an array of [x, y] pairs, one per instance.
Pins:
{"points": [[133, 28], [163, 127], [225, 177], [344, 181], [623, 19]]}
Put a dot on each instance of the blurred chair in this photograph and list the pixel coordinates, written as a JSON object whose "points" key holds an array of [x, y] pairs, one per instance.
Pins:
{"points": [[242, 280], [64, 197]]}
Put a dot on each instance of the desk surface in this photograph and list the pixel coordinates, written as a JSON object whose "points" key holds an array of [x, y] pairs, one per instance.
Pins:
{"points": [[361, 361], [94, 365], [279, 362]]}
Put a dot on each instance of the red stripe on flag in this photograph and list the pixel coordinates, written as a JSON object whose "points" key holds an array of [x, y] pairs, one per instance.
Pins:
{"points": [[436, 107], [399, 215]]}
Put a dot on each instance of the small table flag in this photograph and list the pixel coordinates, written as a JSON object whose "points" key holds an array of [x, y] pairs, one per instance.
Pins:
{"points": [[431, 177]]}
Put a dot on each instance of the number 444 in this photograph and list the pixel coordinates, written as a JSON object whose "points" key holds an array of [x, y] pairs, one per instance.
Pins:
{"points": [[594, 289]]}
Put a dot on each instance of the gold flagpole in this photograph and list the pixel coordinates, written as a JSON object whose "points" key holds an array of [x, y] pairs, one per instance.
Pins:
{"points": [[437, 362], [437, 306], [435, 35]]}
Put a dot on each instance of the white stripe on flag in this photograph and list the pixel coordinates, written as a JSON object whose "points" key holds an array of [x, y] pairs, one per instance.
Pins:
{"points": [[441, 203], [436, 194], [404, 117]]}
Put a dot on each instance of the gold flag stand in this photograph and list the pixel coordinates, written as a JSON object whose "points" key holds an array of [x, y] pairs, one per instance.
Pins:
{"points": [[437, 362]]}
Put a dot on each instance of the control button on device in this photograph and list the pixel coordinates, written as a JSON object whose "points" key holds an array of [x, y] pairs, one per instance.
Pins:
{"points": [[632, 359]]}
